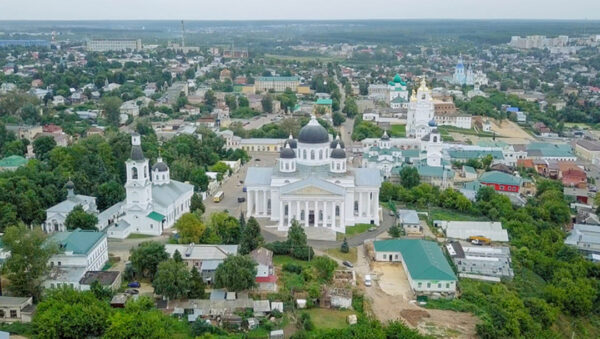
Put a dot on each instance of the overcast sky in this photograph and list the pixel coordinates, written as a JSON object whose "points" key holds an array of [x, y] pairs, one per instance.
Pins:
{"points": [[296, 9]]}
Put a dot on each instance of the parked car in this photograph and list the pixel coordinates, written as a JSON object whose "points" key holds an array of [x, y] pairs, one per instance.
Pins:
{"points": [[135, 284], [368, 281], [241, 199], [371, 229], [347, 264]]}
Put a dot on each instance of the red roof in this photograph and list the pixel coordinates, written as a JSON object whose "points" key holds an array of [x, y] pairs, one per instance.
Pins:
{"points": [[267, 279]]}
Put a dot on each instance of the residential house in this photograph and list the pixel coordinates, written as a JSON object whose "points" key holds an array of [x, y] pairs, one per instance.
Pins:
{"points": [[462, 230], [106, 279], [585, 238], [501, 181], [588, 150], [206, 258], [409, 219], [16, 309], [481, 262], [426, 268], [266, 279], [336, 297]]}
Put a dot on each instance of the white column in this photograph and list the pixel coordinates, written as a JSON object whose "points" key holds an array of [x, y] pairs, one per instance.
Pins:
{"points": [[298, 211], [306, 213], [256, 202], [342, 217], [249, 204], [325, 203], [370, 213], [289, 216], [281, 213], [360, 204], [333, 214]]}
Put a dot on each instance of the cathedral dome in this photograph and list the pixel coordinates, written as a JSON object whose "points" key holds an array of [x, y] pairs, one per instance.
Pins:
{"points": [[160, 166], [385, 136], [291, 142], [336, 142], [338, 153], [136, 153], [287, 153], [313, 133], [432, 123], [70, 185]]}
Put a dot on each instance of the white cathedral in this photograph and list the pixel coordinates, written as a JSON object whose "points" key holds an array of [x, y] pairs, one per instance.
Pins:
{"points": [[420, 118], [153, 201], [313, 184]]}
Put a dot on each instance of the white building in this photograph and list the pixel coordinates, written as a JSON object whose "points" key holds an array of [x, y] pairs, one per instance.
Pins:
{"points": [[421, 110], [154, 202], [79, 251], [57, 214], [312, 184], [113, 45]]}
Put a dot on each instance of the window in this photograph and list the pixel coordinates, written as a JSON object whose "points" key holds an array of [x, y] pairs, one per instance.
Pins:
{"points": [[13, 313], [134, 173], [59, 263], [419, 284], [304, 155], [321, 154], [2, 313], [145, 172], [428, 285], [337, 211], [385, 256], [439, 285], [447, 285], [312, 154], [396, 256]]}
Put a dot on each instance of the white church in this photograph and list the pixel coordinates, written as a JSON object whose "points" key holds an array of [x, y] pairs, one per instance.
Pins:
{"points": [[420, 118], [153, 201], [313, 184]]}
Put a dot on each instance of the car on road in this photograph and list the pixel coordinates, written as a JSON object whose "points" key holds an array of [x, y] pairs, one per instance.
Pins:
{"points": [[135, 284], [368, 281], [392, 213], [257, 159], [371, 229], [347, 263], [241, 199]]}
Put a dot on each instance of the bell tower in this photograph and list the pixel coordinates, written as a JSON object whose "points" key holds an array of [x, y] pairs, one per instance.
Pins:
{"points": [[138, 186]]}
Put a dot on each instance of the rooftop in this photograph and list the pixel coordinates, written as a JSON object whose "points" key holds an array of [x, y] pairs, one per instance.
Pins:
{"points": [[424, 259], [501, 178], [78, 241]]}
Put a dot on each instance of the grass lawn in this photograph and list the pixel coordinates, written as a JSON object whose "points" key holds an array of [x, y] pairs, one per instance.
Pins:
{"points": [[398, 131], [444, 130], [329, 318], [139, 236], [442, 214], [336, 253], [280, 260], [357, 229]]}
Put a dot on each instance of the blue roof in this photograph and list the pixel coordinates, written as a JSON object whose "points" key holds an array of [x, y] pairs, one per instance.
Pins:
{"points": [[512, 109]]}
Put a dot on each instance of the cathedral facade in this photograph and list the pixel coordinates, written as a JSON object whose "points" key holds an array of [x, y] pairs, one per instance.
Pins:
{"points": [[313, 184]]}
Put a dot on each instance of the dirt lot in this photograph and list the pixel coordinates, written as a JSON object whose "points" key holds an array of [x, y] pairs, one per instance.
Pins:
{"points": [[392, 299], [509, 129]]}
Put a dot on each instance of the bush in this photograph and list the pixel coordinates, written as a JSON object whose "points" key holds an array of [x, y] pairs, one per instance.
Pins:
{"points": [[345, 248], [293, 268], [279, 247], [305, 322], [395, 231]]}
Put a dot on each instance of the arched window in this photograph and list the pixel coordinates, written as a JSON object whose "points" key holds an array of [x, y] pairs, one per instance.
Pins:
{"points": [[286, 210], [312, 154], [304, 157], [145, 172], [320, 154], [435, 138], [134, 173], [163, 177], [337, 211]]}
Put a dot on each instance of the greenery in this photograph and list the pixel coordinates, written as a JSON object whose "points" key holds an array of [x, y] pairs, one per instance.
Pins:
{"points": [[236, 273], [27, 265], [345, 248], [351, 256], [357, 229], [409, 177], [365, 129], [397, 131], [172, 279], [296, 244], [78, 218], [251, 238], [146, 257]]}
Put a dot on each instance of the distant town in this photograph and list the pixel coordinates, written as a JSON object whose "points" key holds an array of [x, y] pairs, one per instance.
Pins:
{"points": [[299, 180]]}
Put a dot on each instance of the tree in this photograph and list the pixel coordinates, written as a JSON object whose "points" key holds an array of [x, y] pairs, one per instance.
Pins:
{"points": [[140, 320], [350, 107], [243, 101], [345, 248], [66, 313], [196, 205], [226, 226], [231, 102], [251, 238], [197, 285], [324, 267], [190, 228], [394, 231], [172, 279], [109, 193], [78, 218], [27, 264], [111, 106], [267, 103], [338, 119], [209, 98], [146, 257], [409, 177], [236, 273], [177, 256], [42, 146], [297, 242]]}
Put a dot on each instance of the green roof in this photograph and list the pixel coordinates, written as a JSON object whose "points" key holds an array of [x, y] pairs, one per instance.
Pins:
{"points": [[156, 216], [435, 172], [398, 100], [492, 143], [546, 149], [278, 79], [13, 161], [78, 241], [496, 177], [324, 102], [424, 259], [397, 80]]}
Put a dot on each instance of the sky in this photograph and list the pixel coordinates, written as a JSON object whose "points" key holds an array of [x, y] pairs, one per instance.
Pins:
{"points": [[296, 9]]}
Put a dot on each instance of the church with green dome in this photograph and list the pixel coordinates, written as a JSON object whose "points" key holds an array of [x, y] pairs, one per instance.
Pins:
{"points": [[398, 91]]}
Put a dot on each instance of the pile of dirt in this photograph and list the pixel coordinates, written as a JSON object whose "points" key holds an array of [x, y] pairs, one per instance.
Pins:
{"points": [[413, 317]]}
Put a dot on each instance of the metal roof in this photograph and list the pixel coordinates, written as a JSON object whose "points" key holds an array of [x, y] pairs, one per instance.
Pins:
{"points": [[424, 259]]}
